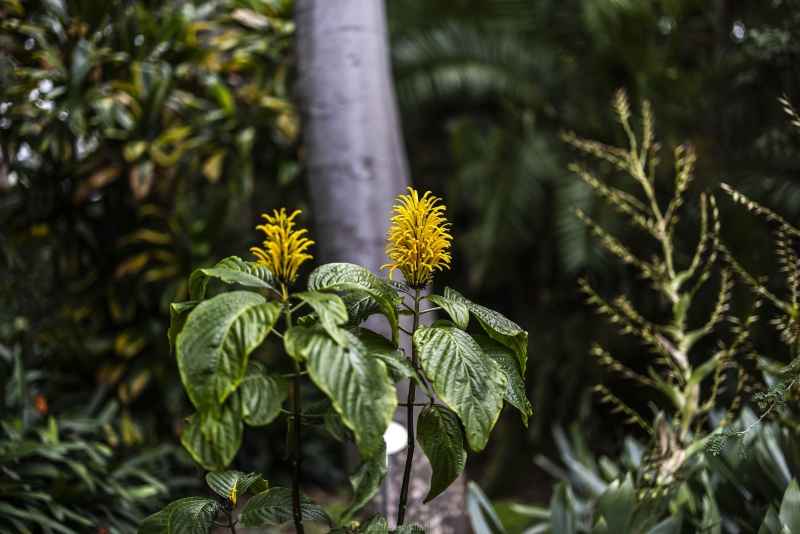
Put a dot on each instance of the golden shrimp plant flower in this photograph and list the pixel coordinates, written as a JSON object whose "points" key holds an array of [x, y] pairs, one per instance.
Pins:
{"points": [[418, 238], [284, 248]]}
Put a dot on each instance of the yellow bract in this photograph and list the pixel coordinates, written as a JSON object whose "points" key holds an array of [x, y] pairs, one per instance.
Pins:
{"points": [[418, 238], [232, 493], [284, 248]]}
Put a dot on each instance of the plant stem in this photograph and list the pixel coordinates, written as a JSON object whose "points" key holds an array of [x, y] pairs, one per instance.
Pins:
{"points": [[412, 390], [298, 409]]}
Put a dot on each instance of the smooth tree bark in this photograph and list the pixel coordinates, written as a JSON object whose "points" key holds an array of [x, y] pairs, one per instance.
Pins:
{"points": [[356, 167]]}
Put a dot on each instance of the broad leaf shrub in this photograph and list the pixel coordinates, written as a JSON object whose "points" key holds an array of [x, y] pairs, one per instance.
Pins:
{"points": [[355, 368], [131, 137]]}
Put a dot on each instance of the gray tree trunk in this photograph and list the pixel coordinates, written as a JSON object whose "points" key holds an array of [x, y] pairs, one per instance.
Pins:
{"points": [[357, 167]]}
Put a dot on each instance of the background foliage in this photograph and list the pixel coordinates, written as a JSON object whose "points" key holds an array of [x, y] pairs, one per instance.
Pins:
{"points": [[180, 129]]}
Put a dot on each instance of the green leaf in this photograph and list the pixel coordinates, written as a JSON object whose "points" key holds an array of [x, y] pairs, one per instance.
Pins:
{"points": [[616, 505], [670, 525], [357, 385], [359, 305], [498, 327], [81, 62], [214, 444], [274, 507], [790, 507], [230, 484], [397, 365], [262, 394], [458, 311], [232, 271], [306, 423], [464, 378], [214, 346], [193, 517], [366, 480], [509, 367], [601, 527], [178, 313], [772, 523], [346, 276], [561, 518], [482, 514], [375, 525], [158, 523], [331, 312], [439, 436]]}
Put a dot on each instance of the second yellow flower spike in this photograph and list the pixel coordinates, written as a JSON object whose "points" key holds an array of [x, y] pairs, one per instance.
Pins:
{"points": [[418, 238]]}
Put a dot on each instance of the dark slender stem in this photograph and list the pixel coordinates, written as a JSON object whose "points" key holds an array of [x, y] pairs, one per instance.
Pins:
{"points": [[298, 410], [412, 390], [291, 375], [415, 404]]}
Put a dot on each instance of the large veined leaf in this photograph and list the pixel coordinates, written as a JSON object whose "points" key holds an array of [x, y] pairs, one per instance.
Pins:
{"points": [[214, 444], [346, 276], [158, 523], [231, 271], [366, 480], [193, 517], [498, 327], [397, 365], [274, 507], [509, 365], [357, 384], [178, 313], [359, 305], [331, 312], [375, 524], [262, 394], [467, 380], [457, 311], [439, 436], [230, 484], [215, 343]]}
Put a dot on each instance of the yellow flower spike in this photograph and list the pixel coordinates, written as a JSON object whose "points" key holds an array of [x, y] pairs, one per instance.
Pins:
{"points": [[418, 239], [232, 494], [284, 248]]}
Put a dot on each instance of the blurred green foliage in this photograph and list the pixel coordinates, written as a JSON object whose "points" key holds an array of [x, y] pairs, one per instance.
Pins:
{"points": [[70, 474], [485, 87], [137, 140]]}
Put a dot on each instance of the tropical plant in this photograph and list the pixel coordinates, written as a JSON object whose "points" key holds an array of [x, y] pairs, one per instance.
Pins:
{"points": [[353, 366], [724, 493], [68, 473], [131, 137]]}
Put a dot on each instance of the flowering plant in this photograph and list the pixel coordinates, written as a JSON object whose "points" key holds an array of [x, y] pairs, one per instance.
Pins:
{"points": [[354, 367]]}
